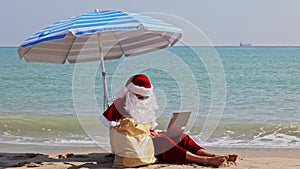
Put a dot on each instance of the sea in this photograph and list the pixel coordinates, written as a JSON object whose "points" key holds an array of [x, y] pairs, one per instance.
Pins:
{"points": [[240, 97]]}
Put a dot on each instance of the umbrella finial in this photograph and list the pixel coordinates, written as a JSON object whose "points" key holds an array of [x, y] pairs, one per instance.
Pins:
{"points": [[141, 26], [96, 10]]}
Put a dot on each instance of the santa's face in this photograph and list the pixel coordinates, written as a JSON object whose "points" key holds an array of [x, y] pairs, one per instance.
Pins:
{"points": [[141, 108], [141, 97]]}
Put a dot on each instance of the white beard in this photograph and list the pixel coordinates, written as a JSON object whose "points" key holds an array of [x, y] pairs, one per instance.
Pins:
{"points": [[141, 110]]}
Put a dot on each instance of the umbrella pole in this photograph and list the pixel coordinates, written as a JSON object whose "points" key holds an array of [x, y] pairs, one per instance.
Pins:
{"points": [[105, 96]]}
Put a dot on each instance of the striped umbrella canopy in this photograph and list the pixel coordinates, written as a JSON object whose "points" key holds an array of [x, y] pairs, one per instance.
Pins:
{"points": [[98, 36]]}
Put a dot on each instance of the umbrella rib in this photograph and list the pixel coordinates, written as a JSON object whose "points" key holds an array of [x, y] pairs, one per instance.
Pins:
{"points": [[27, 51], [163, 37], [118, 42], [70, 47]]}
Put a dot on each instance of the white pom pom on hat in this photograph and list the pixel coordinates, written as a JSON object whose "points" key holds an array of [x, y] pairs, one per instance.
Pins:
{"points": [[121, 93]]}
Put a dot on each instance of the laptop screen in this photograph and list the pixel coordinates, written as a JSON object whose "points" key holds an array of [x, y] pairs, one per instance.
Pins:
{"points": [[178, 123]]}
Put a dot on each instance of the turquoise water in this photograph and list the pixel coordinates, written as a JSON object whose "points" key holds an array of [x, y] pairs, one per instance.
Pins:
{"points": [[262, 98]]}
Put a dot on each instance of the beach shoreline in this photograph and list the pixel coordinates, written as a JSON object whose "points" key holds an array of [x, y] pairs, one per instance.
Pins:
{"points": [[93, 157]]}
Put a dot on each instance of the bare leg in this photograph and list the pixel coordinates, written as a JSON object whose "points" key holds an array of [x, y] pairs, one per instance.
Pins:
{"points": [[203, 152], [210, 161], [229, 157]]}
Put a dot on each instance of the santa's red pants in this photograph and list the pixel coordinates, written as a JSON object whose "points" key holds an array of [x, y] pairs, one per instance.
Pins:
{"points": [[173, 149]]}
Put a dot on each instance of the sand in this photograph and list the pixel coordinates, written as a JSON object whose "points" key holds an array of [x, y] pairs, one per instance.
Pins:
{"points": [[101, 159]]}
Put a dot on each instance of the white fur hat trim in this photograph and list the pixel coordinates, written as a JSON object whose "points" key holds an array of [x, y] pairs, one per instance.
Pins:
{"points": [[139, 90]]}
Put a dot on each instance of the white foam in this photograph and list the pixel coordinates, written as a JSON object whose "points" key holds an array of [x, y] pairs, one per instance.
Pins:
{"points": [[267, 141], [66, 141], [262, 140]]}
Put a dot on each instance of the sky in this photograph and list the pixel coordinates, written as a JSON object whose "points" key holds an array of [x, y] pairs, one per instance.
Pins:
{"points": [[225, 23]]}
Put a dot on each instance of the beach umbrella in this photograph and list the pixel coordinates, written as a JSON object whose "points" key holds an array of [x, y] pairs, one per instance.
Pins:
{"points": [[99, 36]]}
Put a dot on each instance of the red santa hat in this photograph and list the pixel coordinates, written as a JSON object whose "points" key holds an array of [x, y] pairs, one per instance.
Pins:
{"points": [[140, 84], [137, 84]]}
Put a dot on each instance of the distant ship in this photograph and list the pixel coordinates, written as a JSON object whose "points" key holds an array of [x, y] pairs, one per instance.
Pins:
{"points": [[245, 44]]}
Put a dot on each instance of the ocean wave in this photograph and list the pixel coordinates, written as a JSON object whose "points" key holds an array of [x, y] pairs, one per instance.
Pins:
{"points": [[40, 126], [69, 140], [267, 141], [277, 135], [65, 130]]}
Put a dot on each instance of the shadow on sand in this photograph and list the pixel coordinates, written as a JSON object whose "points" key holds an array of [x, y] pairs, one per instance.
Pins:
{"points": [[73, 161]]}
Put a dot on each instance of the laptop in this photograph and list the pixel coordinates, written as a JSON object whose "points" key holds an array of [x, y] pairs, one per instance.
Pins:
{"points": [[177, 123]]}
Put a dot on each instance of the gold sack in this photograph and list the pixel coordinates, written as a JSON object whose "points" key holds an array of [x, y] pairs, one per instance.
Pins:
{"points": [[132, 144]]}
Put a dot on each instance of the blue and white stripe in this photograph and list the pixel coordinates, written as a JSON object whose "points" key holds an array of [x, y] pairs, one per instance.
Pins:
{"points": [[121, 33]]}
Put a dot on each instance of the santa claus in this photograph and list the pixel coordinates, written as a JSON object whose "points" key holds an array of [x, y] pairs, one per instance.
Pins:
{"points": [[137, 100]]}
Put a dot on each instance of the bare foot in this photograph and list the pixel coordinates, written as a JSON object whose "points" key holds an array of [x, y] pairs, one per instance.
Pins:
{"points": [[232, 157], [216, 161], [229, 157]]}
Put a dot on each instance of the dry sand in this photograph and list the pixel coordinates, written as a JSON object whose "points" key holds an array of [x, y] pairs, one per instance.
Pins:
{"points": [[100, 159]]}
